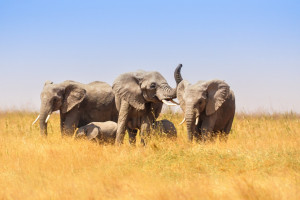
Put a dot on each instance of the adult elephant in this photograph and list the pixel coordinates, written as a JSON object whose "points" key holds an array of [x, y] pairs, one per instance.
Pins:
{"points": [[209, 107], [139, 96], [79, 104]]}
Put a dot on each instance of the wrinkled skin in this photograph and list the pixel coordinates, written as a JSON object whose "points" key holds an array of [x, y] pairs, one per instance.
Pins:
{"points": [[79, 104], [211, 103], [166, 127], [139, 98], [104, 132]]}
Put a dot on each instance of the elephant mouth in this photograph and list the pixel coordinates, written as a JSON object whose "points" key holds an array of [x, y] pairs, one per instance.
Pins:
{"points": [[167, 101], [155, 98]]}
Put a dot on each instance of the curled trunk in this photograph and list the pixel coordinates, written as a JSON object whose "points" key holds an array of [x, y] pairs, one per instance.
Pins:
{"points": [[166, 92]]}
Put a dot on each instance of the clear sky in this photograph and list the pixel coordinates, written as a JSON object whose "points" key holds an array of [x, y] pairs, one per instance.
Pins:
{"points": [[253, 45]]}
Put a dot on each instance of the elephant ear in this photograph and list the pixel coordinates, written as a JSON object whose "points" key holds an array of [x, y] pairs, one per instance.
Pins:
{"points": [[127, 87], [92, 132], [180, 93], [74, 95], [217, 92], [47, 83]]}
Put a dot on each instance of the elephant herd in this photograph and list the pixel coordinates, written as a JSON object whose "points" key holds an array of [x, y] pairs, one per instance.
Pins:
{"points": [[134, 103]]}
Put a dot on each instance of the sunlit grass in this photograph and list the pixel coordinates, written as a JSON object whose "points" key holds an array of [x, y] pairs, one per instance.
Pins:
{"points": [[261, 160]]}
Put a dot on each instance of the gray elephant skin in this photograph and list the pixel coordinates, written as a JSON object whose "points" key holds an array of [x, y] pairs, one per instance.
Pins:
{"points": [[139, 96], [165, 127], [79, 104], [104, 132], [208, 106]]}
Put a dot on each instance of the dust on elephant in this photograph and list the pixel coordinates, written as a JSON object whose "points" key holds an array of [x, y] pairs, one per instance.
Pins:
{"points": [[208, 106], [79, 104], [139, 96], [104, 132], [166, 127]]}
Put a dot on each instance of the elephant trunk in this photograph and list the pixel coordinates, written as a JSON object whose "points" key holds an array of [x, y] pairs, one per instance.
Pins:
{"points": [[190, 122], [167, 93], [80, 132], [177, 74], [44, 116]]}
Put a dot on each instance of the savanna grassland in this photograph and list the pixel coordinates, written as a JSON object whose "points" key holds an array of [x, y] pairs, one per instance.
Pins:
{"points": [[261, 160]]}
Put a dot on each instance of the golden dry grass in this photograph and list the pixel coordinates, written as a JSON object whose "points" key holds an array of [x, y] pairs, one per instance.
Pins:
{"points": [[261, 160]]}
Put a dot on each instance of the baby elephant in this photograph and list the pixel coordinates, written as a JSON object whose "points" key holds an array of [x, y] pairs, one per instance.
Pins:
{"points": [[165, 127], [104, 132]]}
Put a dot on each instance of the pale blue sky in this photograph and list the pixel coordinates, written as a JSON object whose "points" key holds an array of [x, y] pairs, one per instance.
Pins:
{"points": [[252, 45]]}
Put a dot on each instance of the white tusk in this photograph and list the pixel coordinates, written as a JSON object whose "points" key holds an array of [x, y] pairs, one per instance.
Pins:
{"points": [[36, 119], [197, 120], [168, 103], [182, 121], [174, 102], [47, 118]]}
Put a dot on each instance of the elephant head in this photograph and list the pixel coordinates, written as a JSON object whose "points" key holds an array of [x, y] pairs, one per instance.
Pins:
{"points": [[139, 88], [202, 98], [90, 130], [63, 97]]}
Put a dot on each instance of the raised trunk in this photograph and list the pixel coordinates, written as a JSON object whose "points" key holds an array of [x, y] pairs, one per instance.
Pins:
{"points": [[177, 74]]}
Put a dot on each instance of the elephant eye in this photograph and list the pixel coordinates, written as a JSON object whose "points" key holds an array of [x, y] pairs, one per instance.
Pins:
{"points": [[153, 86], [54, 100]]}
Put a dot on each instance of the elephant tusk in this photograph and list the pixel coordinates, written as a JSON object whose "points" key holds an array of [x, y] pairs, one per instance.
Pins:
{"points": [[168, 103], [174, 102], [47, 118], [197, 120], [36, 119], [182, 121]]}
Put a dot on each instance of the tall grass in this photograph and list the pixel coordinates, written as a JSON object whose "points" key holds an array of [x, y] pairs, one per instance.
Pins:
{"points": [[261, 160]]}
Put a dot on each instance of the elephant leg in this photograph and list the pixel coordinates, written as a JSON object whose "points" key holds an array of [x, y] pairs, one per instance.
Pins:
{"points": [[132, 136], [197, 136], [145, 130], [224, 134], [62, 121], [69, 122], [228, 126], [122, 121], [208, 127], [198, 133]]}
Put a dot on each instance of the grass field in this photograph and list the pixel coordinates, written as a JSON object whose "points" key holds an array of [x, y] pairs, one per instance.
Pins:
{"points": [[261, 160]]}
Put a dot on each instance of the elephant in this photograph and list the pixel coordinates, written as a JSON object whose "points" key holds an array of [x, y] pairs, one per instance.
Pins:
{"points": [[208, 106], [136, 116], [79, 104], [139, 96], [166, 127], [104, 132]]}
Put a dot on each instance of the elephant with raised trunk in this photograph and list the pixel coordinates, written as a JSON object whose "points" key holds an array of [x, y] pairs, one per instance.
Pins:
{"points": [[139, 96], [79, 104], [208, 106]]}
